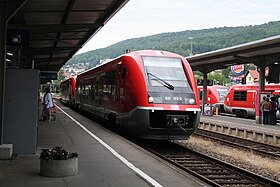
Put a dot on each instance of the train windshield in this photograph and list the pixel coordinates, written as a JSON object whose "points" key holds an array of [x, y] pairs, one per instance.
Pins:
{"points": [[166, 81], [167, 72], [222, 93]]}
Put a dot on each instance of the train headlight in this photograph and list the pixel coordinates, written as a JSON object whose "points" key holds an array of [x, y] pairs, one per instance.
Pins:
{"points": [[150, 99], [192, 101]]}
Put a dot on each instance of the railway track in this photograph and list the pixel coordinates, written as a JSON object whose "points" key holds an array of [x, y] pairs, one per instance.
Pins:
{"points": [[256, 147], [212, 171]]}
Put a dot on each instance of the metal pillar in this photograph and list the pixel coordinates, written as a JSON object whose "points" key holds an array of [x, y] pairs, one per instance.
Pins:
{"points": [[3, 27], [204, 93], [261, 69], [262, 77]]}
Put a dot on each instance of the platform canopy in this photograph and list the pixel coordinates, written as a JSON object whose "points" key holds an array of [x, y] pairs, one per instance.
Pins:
{"points": [[260, 52], [54, 30]]}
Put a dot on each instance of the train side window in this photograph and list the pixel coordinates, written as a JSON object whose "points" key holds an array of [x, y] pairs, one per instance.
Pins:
{"points": [[109, 83], [92, 91], [84, 92], [123, 72], [240, 96]]}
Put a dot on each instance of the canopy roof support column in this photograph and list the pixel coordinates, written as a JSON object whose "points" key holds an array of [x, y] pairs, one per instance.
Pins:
{"points": [[204, 92], [3, 27], [262, 77]]}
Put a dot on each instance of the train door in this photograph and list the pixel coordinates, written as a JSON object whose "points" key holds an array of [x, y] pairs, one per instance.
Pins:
{"points": [[120, 87], [258, 101]]}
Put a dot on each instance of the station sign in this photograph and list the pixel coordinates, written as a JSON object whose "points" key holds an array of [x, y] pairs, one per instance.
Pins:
{"points": [[48, 75]]}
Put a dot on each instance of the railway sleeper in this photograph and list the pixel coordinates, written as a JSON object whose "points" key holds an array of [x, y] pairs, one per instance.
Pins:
{"points": [[226, 182], [186, 156], [217, 171], [202, 166], [189, 161], [222, 176]]}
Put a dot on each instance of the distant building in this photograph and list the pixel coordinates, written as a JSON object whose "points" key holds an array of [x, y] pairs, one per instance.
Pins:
{"points": [[104, 61], [252, 76], [73, 71]]}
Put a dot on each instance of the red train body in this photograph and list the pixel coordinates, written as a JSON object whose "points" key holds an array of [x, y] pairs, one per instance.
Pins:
{"points": [[67, 89], [240, 100], [149, 94], [215, 94]]}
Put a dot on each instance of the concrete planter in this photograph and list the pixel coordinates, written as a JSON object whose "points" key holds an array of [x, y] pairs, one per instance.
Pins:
{"points": [[59, 168]]}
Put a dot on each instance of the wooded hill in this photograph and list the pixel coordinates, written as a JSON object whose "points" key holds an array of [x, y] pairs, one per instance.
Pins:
{"points": [[178, 42]]}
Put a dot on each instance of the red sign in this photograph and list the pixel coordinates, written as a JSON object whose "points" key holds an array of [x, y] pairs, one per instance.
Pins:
{"points": [[237, 69]]}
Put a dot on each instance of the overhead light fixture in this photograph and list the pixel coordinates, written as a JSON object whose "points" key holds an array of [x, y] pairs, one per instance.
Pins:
{"points": [[276, 63], [8, 60], [10, 54]]}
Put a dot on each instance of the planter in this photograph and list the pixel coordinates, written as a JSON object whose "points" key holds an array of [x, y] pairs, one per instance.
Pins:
{"points": [[59, 168]]}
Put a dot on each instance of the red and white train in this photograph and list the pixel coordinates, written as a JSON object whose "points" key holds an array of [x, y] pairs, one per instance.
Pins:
{"points": [[241, 99], [215, 94], [148, 94], [67, 90]]}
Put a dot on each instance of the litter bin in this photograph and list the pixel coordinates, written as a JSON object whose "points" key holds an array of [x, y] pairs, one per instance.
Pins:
{"points": [[208, 110]]}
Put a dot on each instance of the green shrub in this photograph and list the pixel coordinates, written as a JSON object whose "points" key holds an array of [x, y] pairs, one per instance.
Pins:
{"points": [[57, 153]]}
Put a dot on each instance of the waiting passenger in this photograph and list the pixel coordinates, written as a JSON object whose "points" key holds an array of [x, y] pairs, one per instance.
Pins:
{"points": [[264, 98], [48, 101], [266, 107], [273, 111]]}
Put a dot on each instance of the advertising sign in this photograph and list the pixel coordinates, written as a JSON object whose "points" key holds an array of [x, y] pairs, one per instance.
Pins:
{"points": [[237, 69]]}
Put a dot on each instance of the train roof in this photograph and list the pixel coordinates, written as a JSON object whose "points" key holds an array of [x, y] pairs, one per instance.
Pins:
{"points": [[155, 53], [254, 86], [134, 54], [214, 86], [67, 80]]}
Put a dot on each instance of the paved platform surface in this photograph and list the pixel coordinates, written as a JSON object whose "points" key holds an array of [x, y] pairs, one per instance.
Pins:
{"points": [[98, 166], [241, 122]]}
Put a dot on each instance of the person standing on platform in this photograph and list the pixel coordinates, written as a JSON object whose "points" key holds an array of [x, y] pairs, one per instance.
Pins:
{"points": [[48, 101], [273, 110], [266, 107], [264, 98]]}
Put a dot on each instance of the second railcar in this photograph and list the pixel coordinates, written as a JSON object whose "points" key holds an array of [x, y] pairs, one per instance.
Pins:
{"points": [[215, 94], [67, 90], [149, 94], [240, 100]]}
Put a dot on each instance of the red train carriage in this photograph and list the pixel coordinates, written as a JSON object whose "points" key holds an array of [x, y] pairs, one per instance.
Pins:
{"points": [[148, 94], [215, 94], [240, 100], [67, 89]]}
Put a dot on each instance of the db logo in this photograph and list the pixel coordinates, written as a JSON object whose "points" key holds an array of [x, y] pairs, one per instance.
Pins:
{"points": [[174, 107]]}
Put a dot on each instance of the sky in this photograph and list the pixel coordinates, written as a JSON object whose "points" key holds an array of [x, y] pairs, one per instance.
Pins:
{"points": [[140, 18]]}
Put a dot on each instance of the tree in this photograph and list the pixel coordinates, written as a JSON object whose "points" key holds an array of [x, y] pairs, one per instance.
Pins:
{"points": [[217, 78]]}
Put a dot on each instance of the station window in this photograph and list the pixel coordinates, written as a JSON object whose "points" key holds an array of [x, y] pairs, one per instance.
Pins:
{"points": [[240, 96]]}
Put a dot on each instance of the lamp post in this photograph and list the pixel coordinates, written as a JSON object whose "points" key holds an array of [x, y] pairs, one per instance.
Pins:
{"points": [[191, 38]]}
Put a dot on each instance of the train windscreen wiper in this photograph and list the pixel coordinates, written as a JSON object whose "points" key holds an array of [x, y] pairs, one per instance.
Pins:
{"points": [[163, 82]]}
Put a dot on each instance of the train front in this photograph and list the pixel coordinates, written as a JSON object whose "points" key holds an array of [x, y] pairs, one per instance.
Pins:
{"points": [[171, 108]]}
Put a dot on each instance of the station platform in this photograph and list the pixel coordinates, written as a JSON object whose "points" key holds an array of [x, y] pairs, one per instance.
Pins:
{"points": [[105, 158], [240, 122], [241, 127]]}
